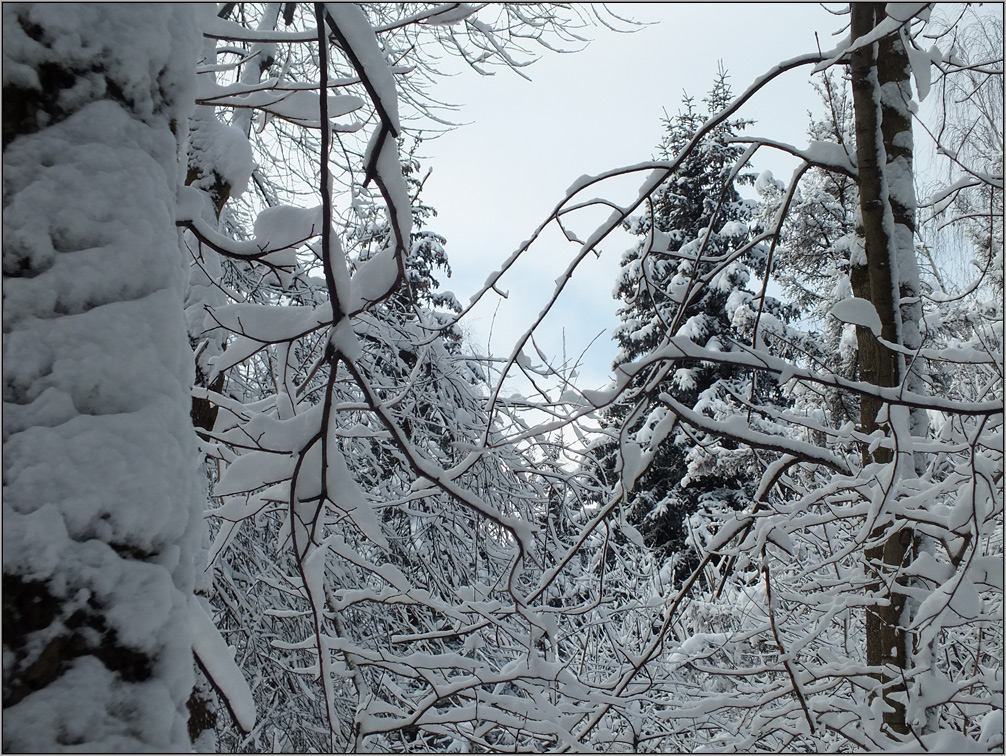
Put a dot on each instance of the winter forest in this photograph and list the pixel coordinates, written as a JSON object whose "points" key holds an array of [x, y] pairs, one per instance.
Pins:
{"points": [[262, 491]]}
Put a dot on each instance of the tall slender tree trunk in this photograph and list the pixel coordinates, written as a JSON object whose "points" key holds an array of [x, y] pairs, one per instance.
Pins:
{"points": [[101, 506], [885, 273]]}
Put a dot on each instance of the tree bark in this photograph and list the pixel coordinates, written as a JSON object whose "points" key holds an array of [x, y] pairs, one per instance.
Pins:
{"points": [[885, 273]]}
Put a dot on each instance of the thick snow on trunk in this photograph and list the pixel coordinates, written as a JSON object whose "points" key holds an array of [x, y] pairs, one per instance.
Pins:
{"points": [[100, 505]]}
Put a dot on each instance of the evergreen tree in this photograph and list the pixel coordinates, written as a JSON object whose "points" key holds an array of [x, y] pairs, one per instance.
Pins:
{"points": [[687, 277]]}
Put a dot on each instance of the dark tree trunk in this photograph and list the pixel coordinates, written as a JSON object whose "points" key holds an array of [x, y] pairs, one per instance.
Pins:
{"points": [[883, 273]]}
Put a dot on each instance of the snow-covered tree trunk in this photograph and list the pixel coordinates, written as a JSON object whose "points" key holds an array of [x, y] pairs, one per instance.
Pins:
{"points": [[885, 273], [100, 505]]}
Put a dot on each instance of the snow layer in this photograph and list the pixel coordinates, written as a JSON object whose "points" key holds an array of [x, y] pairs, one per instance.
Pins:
{"points": [[218, 658], [100, 505], [373, 68], [857, 311], [223, 150]]}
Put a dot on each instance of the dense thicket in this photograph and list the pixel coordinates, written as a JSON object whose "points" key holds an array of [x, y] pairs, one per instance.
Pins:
{"points": [[402, 555]]}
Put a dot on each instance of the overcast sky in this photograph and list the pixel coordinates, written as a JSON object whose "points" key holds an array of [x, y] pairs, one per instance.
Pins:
{"points": [[523, 143]]}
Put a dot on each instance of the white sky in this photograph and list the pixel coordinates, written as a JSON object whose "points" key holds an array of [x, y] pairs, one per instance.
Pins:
{"points": [[523, 143]]}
